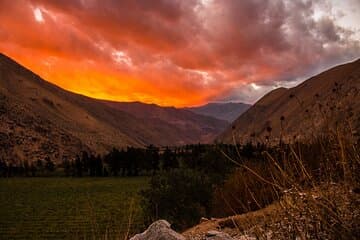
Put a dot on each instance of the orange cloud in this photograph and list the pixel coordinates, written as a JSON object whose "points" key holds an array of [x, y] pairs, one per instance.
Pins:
{"points": [[171, 52]]}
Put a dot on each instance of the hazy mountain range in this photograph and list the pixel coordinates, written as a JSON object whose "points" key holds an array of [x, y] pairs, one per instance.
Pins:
{"points": [[225, 111]]}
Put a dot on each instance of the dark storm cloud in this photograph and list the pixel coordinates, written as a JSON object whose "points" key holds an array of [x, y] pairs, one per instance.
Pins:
{"points": [[182, 52]]}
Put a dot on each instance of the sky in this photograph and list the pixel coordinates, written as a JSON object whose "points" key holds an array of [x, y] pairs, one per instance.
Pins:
{"points": [[179, 52]]}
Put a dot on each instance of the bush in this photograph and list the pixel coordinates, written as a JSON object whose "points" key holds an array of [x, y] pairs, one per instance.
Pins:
{"points": [[181, 196]]}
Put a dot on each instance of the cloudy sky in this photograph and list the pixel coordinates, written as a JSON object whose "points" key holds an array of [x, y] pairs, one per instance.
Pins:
{"points": [[179, 52]]}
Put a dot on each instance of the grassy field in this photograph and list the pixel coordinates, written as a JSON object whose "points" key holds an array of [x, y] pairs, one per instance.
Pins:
{"points": [[69, 208]]}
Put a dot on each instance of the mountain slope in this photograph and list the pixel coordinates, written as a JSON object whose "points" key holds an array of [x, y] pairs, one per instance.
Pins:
{"points": [[225, 111], [182, 125], [38, 119], [329, 99]]}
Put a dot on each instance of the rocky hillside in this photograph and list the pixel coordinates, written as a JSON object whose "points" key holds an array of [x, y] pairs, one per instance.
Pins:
{"points": [[323, 101], [39, 119], [225, 111]]}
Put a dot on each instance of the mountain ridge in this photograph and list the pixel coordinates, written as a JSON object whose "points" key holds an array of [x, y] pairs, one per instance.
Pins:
{"points": [[296, 113]]}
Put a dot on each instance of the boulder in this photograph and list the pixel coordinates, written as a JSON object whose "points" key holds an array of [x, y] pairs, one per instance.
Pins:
{"points": [[216, 235], [159, 230], [203, 219]]}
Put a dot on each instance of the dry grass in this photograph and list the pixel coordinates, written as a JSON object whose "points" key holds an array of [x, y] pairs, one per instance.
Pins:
{"points": [[315, 187]]}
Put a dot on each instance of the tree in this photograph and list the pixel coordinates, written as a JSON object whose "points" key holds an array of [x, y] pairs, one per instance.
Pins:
{"points": [[85, 162], [78, 167], [3, 168], [152, 158], [40, 166], [26, 168], [114, 160], [49, 165], [92, 165], [33, 169], [181, 196], [169, 160], [67, 167]]}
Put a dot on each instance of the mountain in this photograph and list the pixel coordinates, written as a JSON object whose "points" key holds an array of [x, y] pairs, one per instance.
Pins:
{"points": [[39, 119], [323, 102], [177, 125], [225, 111]]}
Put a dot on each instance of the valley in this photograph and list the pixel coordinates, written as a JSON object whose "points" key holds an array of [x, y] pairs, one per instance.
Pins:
{"points": [[102, 169]]}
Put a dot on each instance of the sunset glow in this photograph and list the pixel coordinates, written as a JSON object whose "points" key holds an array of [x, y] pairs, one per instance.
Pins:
{"points": [[179, 53]]}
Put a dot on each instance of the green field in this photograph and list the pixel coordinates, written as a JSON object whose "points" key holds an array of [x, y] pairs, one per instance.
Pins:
{"points": [[70, 208]]}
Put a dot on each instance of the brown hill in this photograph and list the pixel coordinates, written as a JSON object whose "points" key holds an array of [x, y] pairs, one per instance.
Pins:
{"points": [[328, 100], [39, 119]]}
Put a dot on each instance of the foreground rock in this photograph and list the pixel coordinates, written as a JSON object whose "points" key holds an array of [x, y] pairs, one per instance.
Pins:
{"points": [[216, 235], [159, 230]]}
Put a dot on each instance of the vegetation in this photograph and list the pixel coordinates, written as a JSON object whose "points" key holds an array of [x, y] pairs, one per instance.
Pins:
{"points": [[315, 186], [65, 208], [314, 183], [196, 181], [182, 196], [183, 177], [126, 162], [184, 192]]}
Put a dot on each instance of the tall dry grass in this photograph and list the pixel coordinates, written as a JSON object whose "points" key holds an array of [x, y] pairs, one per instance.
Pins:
{"points": [[315, 187]]}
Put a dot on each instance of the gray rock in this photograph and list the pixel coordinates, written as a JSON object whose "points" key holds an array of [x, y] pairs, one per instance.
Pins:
{"points": [[159, 230], [216, 235], [203, 219]]}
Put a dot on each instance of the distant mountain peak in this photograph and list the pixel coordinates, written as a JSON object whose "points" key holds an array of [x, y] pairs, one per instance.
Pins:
{"points": [[227, 111]]}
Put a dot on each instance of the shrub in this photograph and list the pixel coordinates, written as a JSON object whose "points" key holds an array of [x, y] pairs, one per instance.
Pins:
{"points": [[242, 192], [181, 196]]}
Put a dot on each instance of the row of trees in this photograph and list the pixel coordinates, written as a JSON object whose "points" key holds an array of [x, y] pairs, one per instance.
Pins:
{"points": [[26, 168], [135, 161]]}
